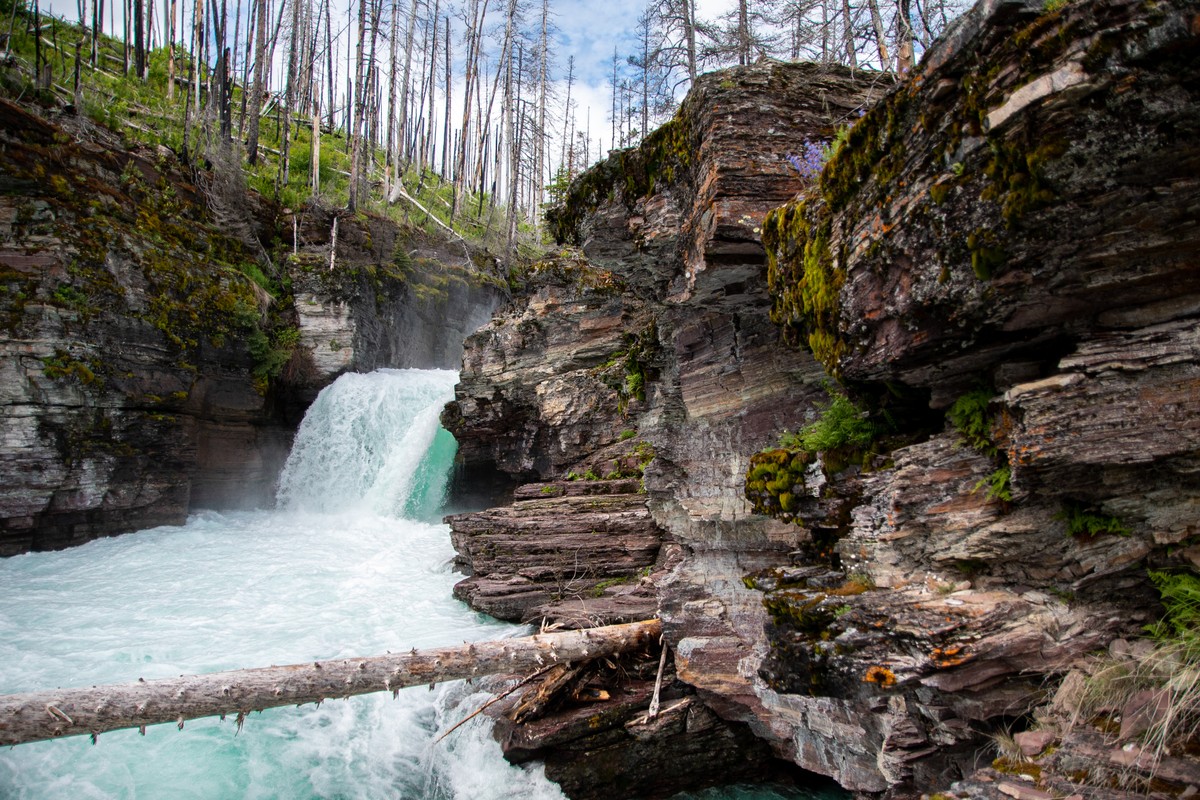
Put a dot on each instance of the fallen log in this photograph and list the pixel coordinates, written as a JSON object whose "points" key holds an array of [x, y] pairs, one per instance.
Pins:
{"points": [[36, 716]]}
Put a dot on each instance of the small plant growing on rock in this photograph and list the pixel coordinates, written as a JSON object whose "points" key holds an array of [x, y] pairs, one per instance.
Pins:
{"points": [[816, 155], [842, 424], [969, 415], [998, 484], [811, 162], [1083, 523]]}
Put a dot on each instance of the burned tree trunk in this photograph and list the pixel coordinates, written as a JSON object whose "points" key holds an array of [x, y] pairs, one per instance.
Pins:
{"points": [[71, 712]]}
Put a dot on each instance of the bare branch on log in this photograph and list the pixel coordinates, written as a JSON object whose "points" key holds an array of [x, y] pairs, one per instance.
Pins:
{"points": [[72, 712]]}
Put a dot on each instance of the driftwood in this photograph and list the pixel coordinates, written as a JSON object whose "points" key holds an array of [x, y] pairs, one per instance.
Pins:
{"points": [[496, 699], [71, 712], [561, 680]]}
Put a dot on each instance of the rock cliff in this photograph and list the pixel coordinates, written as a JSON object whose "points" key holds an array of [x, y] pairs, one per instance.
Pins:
{"points": [[145, 369], [998, 267]]}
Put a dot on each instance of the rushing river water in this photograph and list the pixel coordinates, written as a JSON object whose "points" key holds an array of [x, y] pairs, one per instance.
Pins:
{"points": [[352, 563]]}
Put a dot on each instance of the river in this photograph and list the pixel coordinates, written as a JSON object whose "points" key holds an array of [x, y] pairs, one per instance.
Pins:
{"points": [[353, 561]]}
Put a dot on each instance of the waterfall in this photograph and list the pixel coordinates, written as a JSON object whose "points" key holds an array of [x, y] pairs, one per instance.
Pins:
{"points": [[373, 443]]}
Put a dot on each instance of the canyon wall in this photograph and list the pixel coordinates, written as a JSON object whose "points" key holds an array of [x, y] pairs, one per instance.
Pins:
{"points": [[144, 368], [996, 274]]}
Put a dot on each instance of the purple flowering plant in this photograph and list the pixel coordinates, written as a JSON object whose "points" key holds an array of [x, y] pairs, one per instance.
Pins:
{"points": [[810, 164], [816, 154]]}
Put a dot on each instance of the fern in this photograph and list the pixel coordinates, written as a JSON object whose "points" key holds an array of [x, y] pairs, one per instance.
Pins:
{"points": [[970, 418], [842, 423], [998, 485], [1081, 522]]}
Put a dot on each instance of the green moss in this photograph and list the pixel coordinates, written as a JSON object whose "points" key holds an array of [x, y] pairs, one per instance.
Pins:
{"points": [[629, 370], [645, 453], [627, 175], [1013, 766], [607, 583], [985, 259], [1017, 174], [806, 613], [804, 282], [64, 366], [773, 480]]}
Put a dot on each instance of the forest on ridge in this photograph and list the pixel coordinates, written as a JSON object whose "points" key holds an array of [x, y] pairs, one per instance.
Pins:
{"points": [[468, 112]]}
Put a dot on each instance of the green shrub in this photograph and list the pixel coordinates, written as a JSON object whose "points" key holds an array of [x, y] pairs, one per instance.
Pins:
{"points": [[1180, 593], [271, 353]]}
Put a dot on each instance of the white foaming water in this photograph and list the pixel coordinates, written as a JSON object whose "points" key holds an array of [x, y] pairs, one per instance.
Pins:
{"points": [[368, 444], [345, 568]]}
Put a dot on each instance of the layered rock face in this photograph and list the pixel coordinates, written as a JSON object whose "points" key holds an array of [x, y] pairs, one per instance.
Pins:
{"points": [[654, 343], [383, 298], [1003, 237], [1001, 233], [145, 372], [124, 357]]}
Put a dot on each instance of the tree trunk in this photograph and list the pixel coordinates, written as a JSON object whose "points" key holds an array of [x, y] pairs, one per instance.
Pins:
{"points": [[743, 32], [72, 712], [476, 16], [389, 149], [316, 143], [885, 61], [356, 119], [446, 119], [256, 91], [197, 45], [171, 55], [139, 41], [904, 37], [539, 175], [689, 24], [405, 87], [848, 32], [433, 51]]}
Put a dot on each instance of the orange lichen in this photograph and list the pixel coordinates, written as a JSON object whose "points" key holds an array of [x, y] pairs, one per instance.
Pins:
{"points": [[949, 656], [880, 675]]}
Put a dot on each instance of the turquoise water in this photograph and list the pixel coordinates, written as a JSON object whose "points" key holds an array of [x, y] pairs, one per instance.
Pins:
{"points": [[349, 565]]}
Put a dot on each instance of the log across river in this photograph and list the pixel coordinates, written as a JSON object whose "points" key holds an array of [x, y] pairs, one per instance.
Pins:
{"points": [[36, 716]]}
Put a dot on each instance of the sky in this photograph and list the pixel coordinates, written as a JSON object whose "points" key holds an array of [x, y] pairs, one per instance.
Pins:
{"points": [[589, 29]]}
